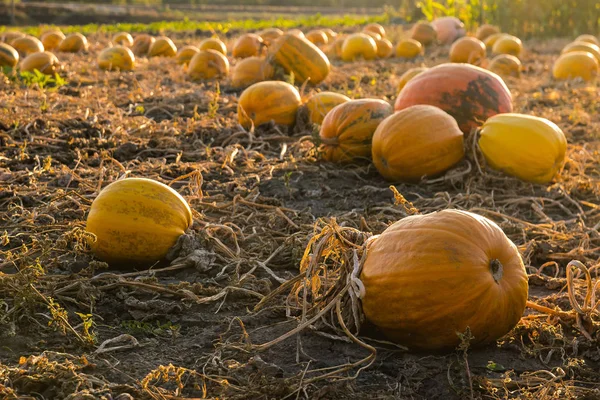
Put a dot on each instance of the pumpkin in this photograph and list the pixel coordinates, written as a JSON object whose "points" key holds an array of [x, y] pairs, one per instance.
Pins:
{"points": [[375, 28], [27, 45], [385, 48], [530, 148], [424, 33], [137, 221], [270, 35], [9, 57], [248, 45], [335, 48], [45, 62], [162, 47], [347, 129], [51, 40], [506, 65], [185, 54], [74, 43], [302, 58], [467, 50], [491, 40], [578, 64], [448, 29], [428, 277], [359, 45], [331, 35], [408, 75], [418, 141], [123, 39], [141, 44], [117, 57], [208, 64], [319, 104], [296, 32], [268, 101], [9, 36], [376, 36], [508, 44], [250, 71], [486, 30], [469, 93], [583, 46], [317, 37], [409, 48], [589, 39], [213, 44]]}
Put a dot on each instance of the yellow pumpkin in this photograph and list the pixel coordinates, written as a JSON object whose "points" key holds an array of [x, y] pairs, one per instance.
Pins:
{"points": [[530, 148], [331, 34], [319, 104], [162, 47], [74, 43], [375, 28], [27, 45], [9, 36], [428, 277], [300, 57], [317, 37], [424, 32], [268, 101], [250, 71], [248, 45], [185, 54], [508, 44], [270, 35], [583, 46], [208, 64], [578, 64], [137, 221], [408, 75], [348, 128], [45, 62], [116, 57], [123, 39], [9, 57], [359, 45], [213, 44], [467, 50], [491, 40], [384, 48], [376, 36], [589, 39], [506, 65], [51, 40], [485, 31], [296, 32], [409, 48], [141, 44]]}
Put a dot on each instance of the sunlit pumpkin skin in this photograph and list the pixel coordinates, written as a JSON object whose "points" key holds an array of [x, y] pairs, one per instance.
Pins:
{"points": [[117, 57], [506, 65], [123, 39], [376, 28], [589, 39], [247, 45], [448, 29], [9, 57], [531, 148], [296, 32], [583, 46], [319, 104], [376, 36], [317, 37], [416, 142], [162, 47], [385, 48], [51, 40], [136, 221], [74, 43], [347, 130], [491, 40], [208, 64], [468, 93], [302, 58], [45, 62], [27, 45], [409, 48], [141, 44], [424, 33], [359, 45], [8, 36], [270, 35], [185, 54], [485, 31], [408, 75], [577, 64], [467, 50], [508, 44], [250, 71], [213, 44], [268, 101], [335, 48], [331, 34], [429, 277]]}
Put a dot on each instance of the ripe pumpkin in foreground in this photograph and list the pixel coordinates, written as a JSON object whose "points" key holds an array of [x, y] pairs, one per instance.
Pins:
{"points": [[52, 39], [302, 58], [506, 65], [250, 71], [45, 62], [409, 48], [429, 277], [408, 75], [162, 47], [418, 141], [74, 43], [319, 104], [467, 50], [208, 64], [268, 101], [359, 45], [9, 57], [137, 221], [424, 32], [347, 130], [117, 57], [530, 148], [578, 64], [141, 44]]}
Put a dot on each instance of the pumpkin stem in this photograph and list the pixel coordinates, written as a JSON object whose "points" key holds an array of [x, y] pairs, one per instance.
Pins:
{"points": [[497, 269]]}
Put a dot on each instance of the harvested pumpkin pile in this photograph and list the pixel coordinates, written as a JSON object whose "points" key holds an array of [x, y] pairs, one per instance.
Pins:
{"points": [[379, 212]]}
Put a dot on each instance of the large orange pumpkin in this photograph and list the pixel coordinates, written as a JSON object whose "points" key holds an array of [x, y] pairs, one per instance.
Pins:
{"points": [[185, 54], [375, 28], [485, 31], [359, 45], [409, 48], [469, 93], [9, 57], [424, 33], [578, 64], [247, 45], [319, 104], [268, 101], [52, 39], [582, 46], [45, 62], [408, 75], [141, 44], [74, 43], [162, 47], [302, 58], [448, 29], [418, 141], [317, 37], [27, 45], [250, 71], [506, 65], [213, 44], [429, 277], [208, 64], [116, 57], [347, 129], [467, 50]]}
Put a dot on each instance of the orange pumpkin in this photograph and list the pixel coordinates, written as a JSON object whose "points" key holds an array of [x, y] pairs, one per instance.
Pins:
{"points": [[335, 48], [268, 101], [508, 44], [468, 93], [52, 39], [248, 45], [578, 64], [427, 277], [424, 33], [141, 44], [317, 37], [347, 129], [448, 29], [208, 64], [185, 54], [250, 71], [27, 45], [376, 36], [302, 58], [486, 30], [408, 75], [319, 104], [385, 48], [45, 62], [418, 141], [123, 39], [331, 34], [9, 57], [375, 28], [162, 47], [359, 45], [74, 43], [506, 65], [409, 48], [9, 36], [583, 46], [270, 35], [467, 50], [589, 39], [116, 57], [213, 44], [296, 32]]}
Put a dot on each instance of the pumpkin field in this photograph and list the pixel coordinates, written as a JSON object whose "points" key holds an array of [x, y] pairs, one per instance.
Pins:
{"points": [[358, 210]]}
